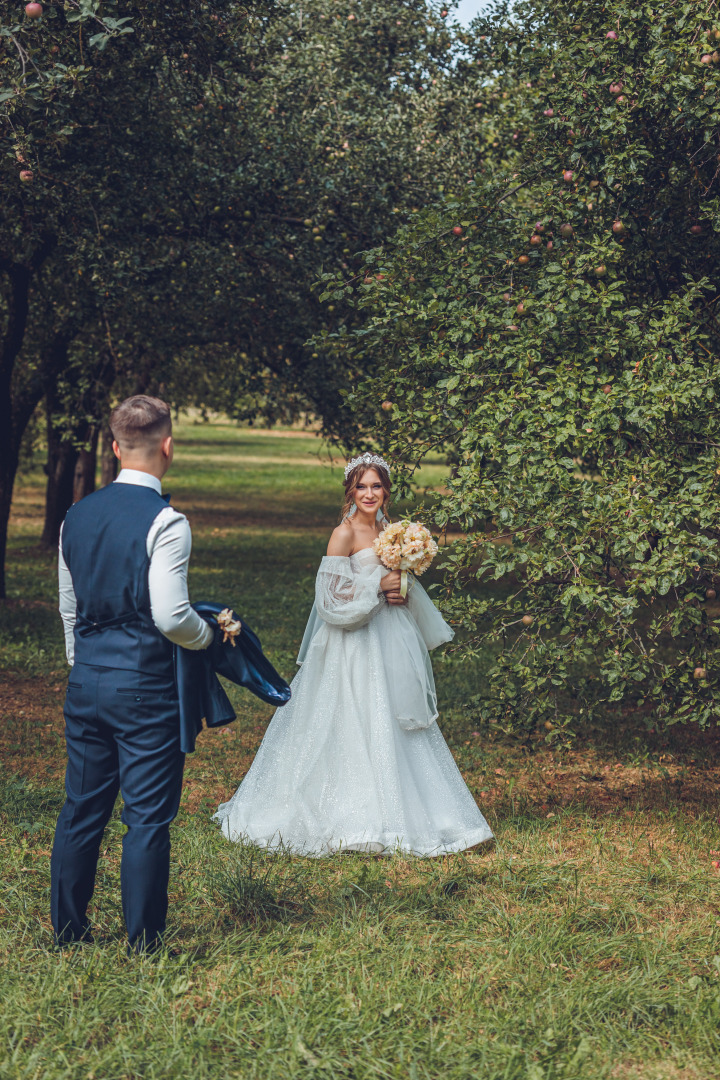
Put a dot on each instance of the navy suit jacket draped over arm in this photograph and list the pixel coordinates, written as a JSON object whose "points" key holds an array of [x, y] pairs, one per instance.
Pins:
{"points": [[201, 693]]}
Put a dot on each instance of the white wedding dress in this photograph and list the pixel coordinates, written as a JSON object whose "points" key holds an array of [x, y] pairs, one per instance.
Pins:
{"points": [[355, 761]]}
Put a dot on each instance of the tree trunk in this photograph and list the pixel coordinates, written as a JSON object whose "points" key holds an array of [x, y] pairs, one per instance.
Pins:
{"points": [[85, 467], [17, 410], [108, 461], [8, 468], [60, 469], [15, 303], [59, 490]]}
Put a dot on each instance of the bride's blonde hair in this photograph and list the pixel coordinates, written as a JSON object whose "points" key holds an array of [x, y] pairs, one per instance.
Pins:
{"points": [[352, 482]]}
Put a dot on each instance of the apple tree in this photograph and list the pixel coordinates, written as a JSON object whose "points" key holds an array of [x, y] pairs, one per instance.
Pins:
{"points": [[553, 329], [95, 173]]}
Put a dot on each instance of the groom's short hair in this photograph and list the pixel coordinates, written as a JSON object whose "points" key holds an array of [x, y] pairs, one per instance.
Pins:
{"points": [[140, 422]]}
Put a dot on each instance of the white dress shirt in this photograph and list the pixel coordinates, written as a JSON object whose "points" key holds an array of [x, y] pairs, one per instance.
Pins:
{"points": [[169, 542]]}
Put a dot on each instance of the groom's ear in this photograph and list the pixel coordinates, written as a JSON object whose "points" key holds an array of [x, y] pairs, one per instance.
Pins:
{"points": [[168, 446], [116, 449]]}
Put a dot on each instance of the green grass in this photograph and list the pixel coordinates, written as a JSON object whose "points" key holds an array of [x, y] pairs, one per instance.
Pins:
{"points": [[584, 944]]}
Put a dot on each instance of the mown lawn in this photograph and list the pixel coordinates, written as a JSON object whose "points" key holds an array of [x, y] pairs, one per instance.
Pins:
{"points": [[584, 943]]}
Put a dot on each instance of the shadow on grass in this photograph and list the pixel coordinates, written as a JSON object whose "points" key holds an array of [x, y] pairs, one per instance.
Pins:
{"points": [[259, 888]]}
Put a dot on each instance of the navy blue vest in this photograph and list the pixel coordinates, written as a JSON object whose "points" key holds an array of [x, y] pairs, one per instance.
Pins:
{"points": [[104, 542]]}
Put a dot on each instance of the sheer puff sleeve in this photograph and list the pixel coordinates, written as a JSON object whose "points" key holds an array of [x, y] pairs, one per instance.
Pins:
{"points": [[345, 595]]}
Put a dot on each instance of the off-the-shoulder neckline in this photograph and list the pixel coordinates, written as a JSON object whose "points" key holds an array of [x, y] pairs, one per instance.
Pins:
{"points": [[351, 555]]}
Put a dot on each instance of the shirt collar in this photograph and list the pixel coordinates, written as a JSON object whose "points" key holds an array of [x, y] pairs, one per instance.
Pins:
{"points": [[142, 479]]}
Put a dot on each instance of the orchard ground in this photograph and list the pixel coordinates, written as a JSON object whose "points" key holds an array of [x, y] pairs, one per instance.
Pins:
{"points": [[585, 942]]}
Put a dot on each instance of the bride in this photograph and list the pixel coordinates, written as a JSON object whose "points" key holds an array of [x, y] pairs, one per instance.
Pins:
{"points": [[356, 761]]}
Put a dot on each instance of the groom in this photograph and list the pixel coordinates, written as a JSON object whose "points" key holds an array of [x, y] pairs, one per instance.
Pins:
{"points": [[124, 601]]}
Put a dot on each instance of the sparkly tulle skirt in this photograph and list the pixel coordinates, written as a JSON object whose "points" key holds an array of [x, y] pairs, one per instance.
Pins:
{"points": [[344, 766]]}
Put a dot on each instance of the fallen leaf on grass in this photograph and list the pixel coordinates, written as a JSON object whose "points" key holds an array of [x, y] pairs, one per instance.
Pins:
{"points": [[391, 1009], [302, 1050]]}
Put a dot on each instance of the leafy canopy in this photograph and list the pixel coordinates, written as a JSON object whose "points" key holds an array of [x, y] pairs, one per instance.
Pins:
{"points": [[175, 178]]}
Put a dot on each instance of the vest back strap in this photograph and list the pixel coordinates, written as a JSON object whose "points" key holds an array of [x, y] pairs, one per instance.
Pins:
{"points": [[84, 629]]}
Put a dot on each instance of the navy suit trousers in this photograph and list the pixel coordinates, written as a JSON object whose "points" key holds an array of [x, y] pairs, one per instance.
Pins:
{"points": [[122, 733]]}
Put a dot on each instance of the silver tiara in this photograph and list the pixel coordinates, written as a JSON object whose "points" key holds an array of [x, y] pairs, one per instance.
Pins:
{"points": [[366, 459]]}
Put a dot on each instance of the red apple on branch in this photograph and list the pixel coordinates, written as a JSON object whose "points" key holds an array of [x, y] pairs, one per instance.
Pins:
{"points": [[566, 230], [619, 228], [457, 230], [568, 175], [26, 175], [611, 35], [33, 11]]}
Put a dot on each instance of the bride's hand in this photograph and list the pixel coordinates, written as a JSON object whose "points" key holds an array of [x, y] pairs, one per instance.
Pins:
{"points": [[390, 585], [391, 582]]}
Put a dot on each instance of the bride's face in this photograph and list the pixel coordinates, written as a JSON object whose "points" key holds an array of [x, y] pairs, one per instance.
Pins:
{"points": [[369, 493]]}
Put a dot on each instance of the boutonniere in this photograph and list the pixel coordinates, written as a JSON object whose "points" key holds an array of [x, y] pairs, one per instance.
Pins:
{"points": [[230, 626]]}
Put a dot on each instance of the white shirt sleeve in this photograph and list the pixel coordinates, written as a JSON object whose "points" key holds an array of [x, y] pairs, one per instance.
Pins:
{"points": [[169, 544], [68, 604]]}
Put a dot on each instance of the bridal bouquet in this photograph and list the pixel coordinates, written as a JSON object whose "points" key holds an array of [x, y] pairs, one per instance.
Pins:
{"points": [[405, 545]]}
